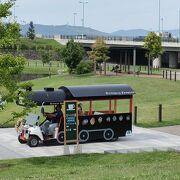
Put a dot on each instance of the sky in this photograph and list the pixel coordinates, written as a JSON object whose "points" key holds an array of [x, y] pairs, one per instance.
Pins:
{"points": [[103, 15]]}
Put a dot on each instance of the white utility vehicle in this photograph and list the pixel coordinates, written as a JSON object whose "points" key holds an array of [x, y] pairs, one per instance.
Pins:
{"points": [[30, 131]]}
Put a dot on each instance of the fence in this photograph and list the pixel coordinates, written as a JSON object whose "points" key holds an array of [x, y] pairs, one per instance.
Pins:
{"points": [[159, 113], [171, 75], [34, 63], [130, 68]]}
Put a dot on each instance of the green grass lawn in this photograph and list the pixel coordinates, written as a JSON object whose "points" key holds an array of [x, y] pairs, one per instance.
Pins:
{"points": [[150, 92], [152, 166]]}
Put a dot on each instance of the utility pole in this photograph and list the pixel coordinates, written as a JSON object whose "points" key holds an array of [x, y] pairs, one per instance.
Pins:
{"points": [[83, 3]]}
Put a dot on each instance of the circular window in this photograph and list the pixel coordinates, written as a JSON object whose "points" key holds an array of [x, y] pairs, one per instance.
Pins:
{"points": [[108, 119], [120, 118], [114, 118], [85, 122], [127, 118], [100, 120], [92, 121]]}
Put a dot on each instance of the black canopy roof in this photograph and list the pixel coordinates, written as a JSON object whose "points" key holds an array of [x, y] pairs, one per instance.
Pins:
{"points": [[97, 91], [51, 96], [48, 97]]}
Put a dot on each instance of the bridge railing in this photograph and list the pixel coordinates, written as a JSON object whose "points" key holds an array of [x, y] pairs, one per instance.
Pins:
{"points": [[111, 38]]}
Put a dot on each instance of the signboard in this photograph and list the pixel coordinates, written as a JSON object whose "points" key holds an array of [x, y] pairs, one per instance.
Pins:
{"points": [[71, 122]]}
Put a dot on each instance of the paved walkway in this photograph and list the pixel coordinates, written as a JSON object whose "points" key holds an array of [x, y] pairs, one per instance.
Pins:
{"points": [[141, 140], [170, 129]]}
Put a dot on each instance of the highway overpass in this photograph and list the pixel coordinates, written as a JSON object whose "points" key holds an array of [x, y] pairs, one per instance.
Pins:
{"points": [[130, 50]]}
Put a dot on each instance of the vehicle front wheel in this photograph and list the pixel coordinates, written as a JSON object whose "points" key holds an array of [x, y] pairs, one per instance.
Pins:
{"points": [[33, 141], [20, 140]]}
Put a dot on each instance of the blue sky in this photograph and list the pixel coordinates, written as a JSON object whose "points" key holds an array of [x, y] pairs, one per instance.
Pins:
{"points": [[103, 15]]}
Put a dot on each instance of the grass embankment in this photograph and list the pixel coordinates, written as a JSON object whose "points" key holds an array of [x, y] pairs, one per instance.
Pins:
{"points": [[38, 43], [158, 165], [150, 92]]}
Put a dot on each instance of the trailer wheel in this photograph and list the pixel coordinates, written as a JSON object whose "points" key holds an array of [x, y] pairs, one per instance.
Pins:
{"points": [[108, 134], [33, 141], [83, 136], [60, 137], [20, 140]]}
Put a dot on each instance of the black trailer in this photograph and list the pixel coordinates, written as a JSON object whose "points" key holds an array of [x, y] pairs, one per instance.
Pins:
{"points": [[107, 124], [94, 124]]}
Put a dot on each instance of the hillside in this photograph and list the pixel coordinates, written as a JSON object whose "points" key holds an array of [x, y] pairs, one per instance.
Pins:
{"points": [[132, 32], [62, 30], [50, 30]]}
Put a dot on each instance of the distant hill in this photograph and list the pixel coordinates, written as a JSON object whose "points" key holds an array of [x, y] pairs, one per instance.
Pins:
{"points": [[140, 32], [62, 30], [132, 33], [79, 30]]}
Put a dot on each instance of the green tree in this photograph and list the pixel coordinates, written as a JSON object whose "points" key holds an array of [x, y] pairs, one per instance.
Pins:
{"points": [[99, 53], [46, 56], [31, 31], [153, 44], [72, 54], [9, 32], [10, 66]]}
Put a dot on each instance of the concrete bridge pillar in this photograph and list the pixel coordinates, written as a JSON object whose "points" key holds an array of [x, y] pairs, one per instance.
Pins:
{"points": [[120, 62], [134, 61], [173, 59], [157, 62], [126, 56]]}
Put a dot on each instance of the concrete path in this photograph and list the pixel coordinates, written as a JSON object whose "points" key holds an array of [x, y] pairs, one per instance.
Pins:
{"points": [[141, 140], [169, 129]]}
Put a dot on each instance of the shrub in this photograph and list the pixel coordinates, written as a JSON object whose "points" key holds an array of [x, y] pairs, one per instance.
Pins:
{"points": [[84, 67], [24, 46]]}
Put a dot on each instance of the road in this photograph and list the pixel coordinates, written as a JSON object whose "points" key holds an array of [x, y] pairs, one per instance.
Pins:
{"points": [[141, 140]]}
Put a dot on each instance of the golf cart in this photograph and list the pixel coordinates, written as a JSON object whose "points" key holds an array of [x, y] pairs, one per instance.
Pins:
{"points": [[94, 123], [30, 129]]}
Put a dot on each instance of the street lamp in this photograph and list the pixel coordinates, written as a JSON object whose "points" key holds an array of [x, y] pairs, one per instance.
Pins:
{"points": [[179, 25], [162, 26], [159, 15], [83, 3], [15, 12], [75, 18]]}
